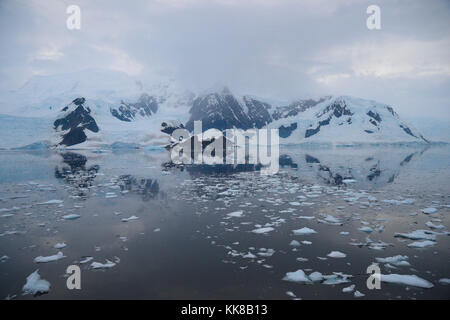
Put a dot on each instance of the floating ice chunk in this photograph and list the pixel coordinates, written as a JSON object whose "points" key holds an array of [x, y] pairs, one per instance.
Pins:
{"points": [[4, 258], [344, 233], [110, 195], [35, 284], [303, 231], [336, 254], [429, 210], [297, 276], [348, 181], [306, 242], [249, 255], [52, 258], [329, 219], [422, 244], [366, 229], [349, 289], [51, 202], [301, 259], [399, 202], [263, 230], [236, 214], [157, 230], [358, 294], [431, 225], [316, 276], [98, 265], [306, 217], [417, 235], [409, 280], [291, 294], [266, 252], [398, 260], [86, 260], [130, 219], [294, 243], [60, 245], [336, 278], [444, 281], [71, 216]]}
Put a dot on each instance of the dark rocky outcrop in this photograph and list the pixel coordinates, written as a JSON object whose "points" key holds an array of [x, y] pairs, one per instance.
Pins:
{"points": [[73, 121], [145, 107]]}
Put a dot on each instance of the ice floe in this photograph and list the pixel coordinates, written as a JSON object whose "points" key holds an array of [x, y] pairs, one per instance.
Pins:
{"points": [[263, 230], [409, 280], [35, 284], [130, 219], [303, 231], [99, 265], [298, 276], [398, 260], [422, 244], [336, 254], [429, 210], [55, 257], [236, 214]]}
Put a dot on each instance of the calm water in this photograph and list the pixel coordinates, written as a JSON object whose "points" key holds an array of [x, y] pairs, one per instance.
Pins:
{"points": [[185, 244]]}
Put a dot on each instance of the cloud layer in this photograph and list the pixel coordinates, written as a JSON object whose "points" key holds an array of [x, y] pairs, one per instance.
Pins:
{"points": [[274, 48]]}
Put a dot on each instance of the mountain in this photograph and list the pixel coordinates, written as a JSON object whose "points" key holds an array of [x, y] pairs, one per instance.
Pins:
{"points": [[346, 120], [127, 111], [73, 123], [341, 119], [222, 110], [144, 107]]}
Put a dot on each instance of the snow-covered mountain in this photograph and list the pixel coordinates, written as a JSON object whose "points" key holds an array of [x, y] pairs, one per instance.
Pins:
{"points": [[346, 120], [128, 111], [341, 119]]}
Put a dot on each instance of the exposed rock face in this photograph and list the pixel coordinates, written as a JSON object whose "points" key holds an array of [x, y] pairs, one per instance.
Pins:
{"points": [[220, 111], [295, 108], [144, 107], [73, 121], [170, 126]]}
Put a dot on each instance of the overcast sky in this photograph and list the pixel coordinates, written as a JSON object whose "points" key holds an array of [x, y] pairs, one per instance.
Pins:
{"points": [[272, 48]]}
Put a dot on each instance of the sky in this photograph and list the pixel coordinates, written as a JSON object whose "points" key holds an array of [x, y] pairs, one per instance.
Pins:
{"points": [[281, 49]]}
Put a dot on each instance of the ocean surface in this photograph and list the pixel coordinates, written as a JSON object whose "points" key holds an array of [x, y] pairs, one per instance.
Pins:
{"points": [[163, 231]]}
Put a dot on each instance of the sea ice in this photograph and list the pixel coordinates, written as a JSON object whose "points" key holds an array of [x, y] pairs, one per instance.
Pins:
{"points": [[421, 244], [297, 276], [130, 219], [98, 265], [35, 284], [303, 231], [263, 230], [236, 214], [59, 245], [429, 210], [336, 254], [52, 258], [409, 280], [71, 216], [398, 260]]}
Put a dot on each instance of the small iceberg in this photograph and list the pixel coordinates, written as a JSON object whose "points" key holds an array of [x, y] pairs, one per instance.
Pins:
{"points": [[52, 258], [303, 231], [35, 284], [408, 280]]}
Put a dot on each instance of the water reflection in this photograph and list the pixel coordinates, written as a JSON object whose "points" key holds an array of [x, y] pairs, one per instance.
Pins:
{"points": [[74, 172], [148, 188]]}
